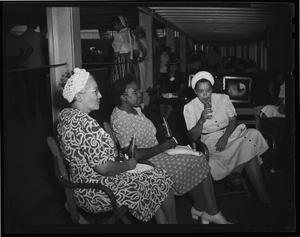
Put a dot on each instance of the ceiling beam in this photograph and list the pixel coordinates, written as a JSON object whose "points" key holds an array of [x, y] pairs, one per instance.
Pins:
{"points": [[151, 13]]}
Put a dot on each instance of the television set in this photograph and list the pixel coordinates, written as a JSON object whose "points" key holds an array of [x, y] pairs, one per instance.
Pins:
{"points": [[238, 89]]}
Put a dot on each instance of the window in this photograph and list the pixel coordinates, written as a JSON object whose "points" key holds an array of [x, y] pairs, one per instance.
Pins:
{"points": [[89, 34], [110, 34]]}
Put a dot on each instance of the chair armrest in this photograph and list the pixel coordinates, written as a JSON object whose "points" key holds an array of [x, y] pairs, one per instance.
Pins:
{"points": [[270, 140], [200, 146], [69, 184]]}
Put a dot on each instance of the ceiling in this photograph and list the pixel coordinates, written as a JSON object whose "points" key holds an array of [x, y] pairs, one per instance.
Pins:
{"points": [[200, 20], [222, 21]]}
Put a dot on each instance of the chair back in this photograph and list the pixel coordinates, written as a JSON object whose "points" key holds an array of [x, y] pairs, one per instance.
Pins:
{"points": [[63, 177], [117, 146], [257, 116]]}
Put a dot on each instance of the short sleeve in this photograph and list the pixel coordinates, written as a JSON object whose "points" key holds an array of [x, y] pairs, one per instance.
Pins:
{"points": [[189, 116], [117, 43], [97, 146], [229, 108], [123, 131]]}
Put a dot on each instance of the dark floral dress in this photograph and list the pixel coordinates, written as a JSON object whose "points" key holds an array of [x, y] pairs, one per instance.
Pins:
{"points": [[85, 145]]}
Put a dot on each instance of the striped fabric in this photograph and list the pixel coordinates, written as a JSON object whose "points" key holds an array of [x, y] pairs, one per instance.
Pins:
{"points": [[122, 67]]}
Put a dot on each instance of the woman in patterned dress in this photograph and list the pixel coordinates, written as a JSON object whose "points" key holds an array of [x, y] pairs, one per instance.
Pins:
{"points": [[90, 153], [212, 117], [125, 51], [190, 173]]}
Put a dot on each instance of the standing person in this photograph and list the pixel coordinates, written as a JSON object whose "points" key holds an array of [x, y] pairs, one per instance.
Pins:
{"points": [[90, 152], [16, 51], [142, 45], [125, 51], [190, 172], [36, 77], [212, 117], [164, 59], [170, 87]]}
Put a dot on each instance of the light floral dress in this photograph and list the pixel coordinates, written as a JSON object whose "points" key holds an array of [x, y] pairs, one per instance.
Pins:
{"points": [[243, 144], [85, 145], [187, 171]]}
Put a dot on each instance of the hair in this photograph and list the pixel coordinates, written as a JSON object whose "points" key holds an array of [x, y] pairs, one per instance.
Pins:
{"points": [[119, 87], [115, 19], [202, 81]]}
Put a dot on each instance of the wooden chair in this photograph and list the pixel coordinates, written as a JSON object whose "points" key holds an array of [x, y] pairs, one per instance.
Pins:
{"points": [[271, 153], [116, 215], [200, 146], [250, 117]]}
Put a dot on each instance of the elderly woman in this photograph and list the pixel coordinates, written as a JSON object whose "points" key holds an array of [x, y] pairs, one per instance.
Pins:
{"points": [[125, 51], [232, 148], [89, 151], [190, 173]]}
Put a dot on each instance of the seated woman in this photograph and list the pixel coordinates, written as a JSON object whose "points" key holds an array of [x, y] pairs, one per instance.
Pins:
{"points": [[170, 86], [278, 107], [89, 151], [190, 173], [212, 117]]}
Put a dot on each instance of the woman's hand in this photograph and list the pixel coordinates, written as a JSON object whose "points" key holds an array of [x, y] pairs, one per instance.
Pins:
{"points": [[167, 144], [221, 143], [131, 163]]}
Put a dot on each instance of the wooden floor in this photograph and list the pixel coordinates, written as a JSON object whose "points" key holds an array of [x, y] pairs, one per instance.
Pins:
{"points": [[34, 201]]}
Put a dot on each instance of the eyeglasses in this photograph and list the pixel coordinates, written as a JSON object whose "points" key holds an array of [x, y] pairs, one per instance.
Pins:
{"points": [[136, 91], [95, 91]]}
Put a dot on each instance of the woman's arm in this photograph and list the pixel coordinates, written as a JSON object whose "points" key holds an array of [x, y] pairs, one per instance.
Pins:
{"points": [[223, 140], [111, 168], [146, 153]]}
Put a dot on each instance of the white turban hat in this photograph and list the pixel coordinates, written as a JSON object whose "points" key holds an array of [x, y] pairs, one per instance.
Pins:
{"points": [[75, 83], [202, 75]]}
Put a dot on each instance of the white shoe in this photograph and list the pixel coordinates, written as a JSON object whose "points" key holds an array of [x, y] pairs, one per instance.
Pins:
{"points": [[196, 214], [217, 219]]}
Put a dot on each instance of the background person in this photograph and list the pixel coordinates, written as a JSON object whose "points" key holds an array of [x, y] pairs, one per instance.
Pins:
{"points": [[170, 87], [90, 153], [125, 51]]}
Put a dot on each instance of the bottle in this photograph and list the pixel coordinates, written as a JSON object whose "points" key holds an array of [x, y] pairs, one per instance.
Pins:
{"points": [[131, 149], [207, 105], [168, 132]]}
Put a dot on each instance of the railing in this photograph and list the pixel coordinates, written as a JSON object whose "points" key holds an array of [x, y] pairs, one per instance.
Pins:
{"points": [[33, 68]]}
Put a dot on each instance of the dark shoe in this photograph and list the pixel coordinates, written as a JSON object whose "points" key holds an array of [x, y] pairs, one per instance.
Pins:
{"points": [[268, 207], [235, 179]]}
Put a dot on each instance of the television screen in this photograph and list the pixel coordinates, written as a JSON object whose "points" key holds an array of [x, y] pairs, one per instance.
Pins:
{"points": [[238, 88]]}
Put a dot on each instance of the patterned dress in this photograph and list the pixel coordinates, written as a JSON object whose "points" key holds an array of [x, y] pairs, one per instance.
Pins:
{"points": [[85, 145], [242, 145], [187, 171]]}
